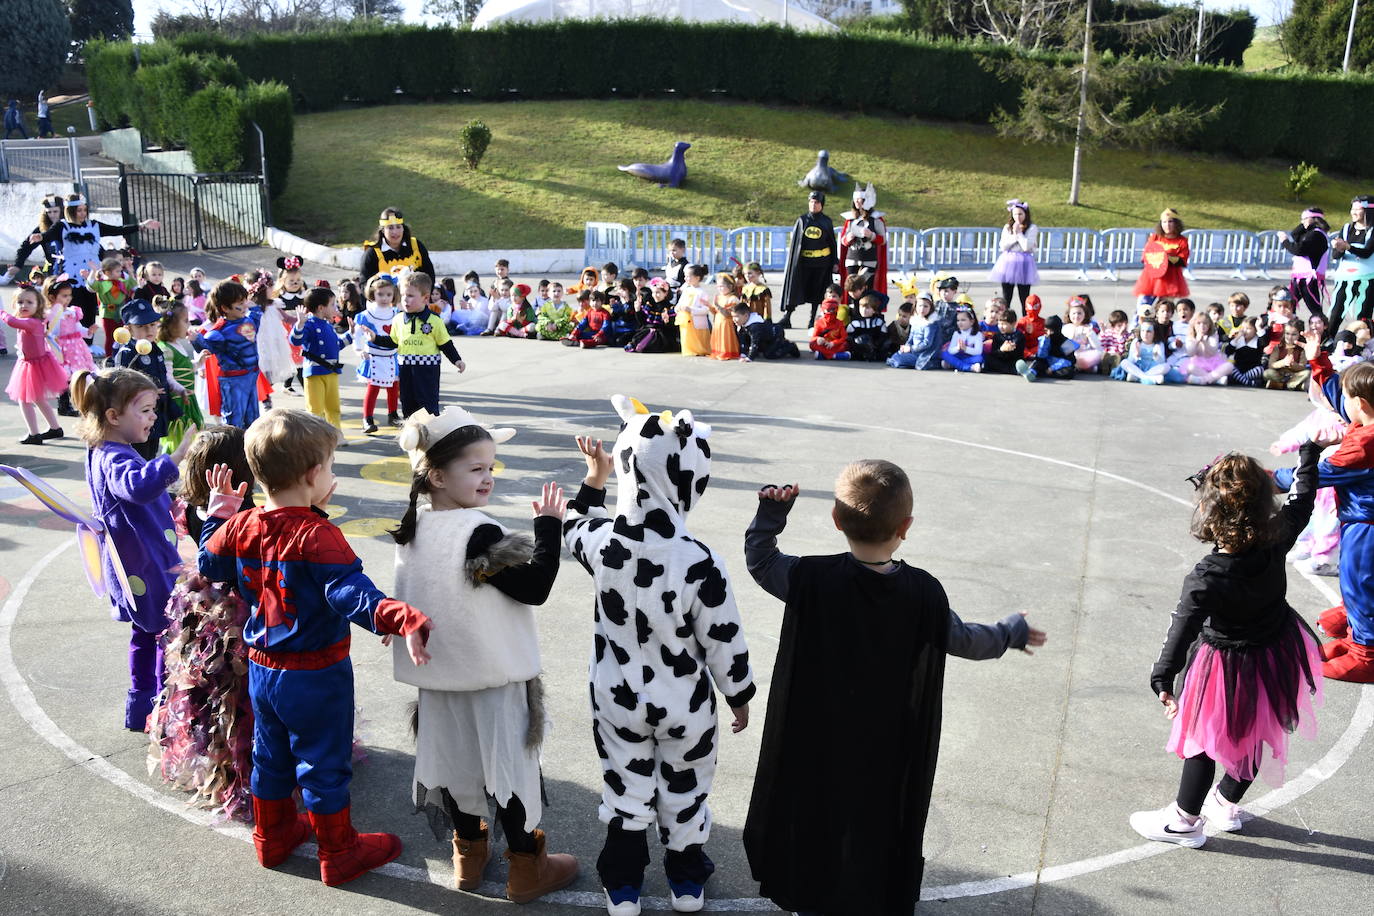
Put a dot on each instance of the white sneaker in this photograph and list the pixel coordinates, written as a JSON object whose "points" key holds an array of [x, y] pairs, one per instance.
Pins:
{"points": [[1221, 814], [1318, 567], [622, 902], [1167, 826]]}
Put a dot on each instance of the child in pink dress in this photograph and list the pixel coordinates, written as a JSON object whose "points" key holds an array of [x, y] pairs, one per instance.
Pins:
{"points": [[37, 377], [71, 336]]}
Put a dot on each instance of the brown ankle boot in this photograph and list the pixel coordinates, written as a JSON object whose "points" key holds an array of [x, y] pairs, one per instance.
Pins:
{"points": [[470, 858], [534, 874]]}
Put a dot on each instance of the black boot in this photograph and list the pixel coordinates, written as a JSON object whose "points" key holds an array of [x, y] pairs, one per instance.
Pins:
{"points": [[393, 419], [64, 405], [369, 427], [786, 322]]}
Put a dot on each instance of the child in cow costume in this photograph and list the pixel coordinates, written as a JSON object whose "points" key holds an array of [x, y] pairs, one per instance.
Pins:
{"points": [[667, 637]]}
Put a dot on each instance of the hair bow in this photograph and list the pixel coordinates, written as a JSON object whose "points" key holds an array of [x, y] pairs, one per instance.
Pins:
{"points": [[291, 262], [1017, 202], [23, 284]]}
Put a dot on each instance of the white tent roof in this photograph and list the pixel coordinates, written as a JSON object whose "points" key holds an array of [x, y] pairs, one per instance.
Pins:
{"points": [[751, 11]]}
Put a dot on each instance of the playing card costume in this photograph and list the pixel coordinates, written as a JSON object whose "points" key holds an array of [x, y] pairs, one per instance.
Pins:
{"points": [[667, 636]]}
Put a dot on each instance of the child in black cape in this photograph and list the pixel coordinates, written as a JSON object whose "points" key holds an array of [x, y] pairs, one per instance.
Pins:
{"points": [[882, 731]]}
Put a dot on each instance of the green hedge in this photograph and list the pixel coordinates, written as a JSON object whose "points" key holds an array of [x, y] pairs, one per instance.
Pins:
{"points": [[1292, 116], [181, 97]]}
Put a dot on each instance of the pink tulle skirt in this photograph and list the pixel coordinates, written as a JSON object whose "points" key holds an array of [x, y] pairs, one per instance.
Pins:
{"points": [[37, 379], [1235, 702]]}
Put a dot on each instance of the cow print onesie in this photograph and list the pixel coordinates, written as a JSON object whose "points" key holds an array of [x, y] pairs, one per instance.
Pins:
{"points": [[667, 631]]}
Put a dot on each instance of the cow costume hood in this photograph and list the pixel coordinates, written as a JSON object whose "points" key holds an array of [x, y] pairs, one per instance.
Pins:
{"points": [[662, 466]]}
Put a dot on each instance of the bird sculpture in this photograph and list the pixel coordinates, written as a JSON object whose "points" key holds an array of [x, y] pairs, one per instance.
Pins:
{"points": [[822, 177], [670, 174]]}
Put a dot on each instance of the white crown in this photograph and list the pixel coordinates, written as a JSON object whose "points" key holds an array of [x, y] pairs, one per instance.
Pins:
{"points": [[423, 429]]}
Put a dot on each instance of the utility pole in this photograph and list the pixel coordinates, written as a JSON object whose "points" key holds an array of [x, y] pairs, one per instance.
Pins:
{"points": [[1082, 108], [1197, 42], [1350, 36]]}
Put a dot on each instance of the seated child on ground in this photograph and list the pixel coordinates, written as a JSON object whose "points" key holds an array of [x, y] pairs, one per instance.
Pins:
{"points": [[1054, 355], [898, 329], [964, 352], [1287, 366], [1114, 339], [1246, 354], [1007, 345], [828, 337], [592, 330], [1145, 360], [865, 332], [759, 338], [922, 347]]}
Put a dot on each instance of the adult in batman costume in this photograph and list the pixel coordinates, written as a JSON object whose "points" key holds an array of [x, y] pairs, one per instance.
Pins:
{"points": [[811, 259]]}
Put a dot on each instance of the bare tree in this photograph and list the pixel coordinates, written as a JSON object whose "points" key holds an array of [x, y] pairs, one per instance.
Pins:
{"points": [[1181, 35], [1026, 23]]}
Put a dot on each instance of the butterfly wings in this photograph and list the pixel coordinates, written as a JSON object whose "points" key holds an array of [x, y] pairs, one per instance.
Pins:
{"points": [[91, 541]]}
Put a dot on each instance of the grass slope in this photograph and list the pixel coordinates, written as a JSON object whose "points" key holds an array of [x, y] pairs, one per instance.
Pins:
{"points": [[1265, 52], [552, 166]]}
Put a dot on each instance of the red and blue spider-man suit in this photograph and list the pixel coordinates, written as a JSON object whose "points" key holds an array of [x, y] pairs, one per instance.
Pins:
{"points": [[1350, 657], [304, 586]]}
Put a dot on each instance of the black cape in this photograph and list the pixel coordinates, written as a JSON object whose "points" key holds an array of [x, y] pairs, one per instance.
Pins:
{"points": [[791, 292], [853, 729]]}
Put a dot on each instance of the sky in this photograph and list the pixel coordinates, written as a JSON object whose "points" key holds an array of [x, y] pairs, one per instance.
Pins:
{"points": [[144, 10]]}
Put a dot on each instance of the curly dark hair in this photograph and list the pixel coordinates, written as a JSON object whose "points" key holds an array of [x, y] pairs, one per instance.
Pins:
{"points": [[1235, 507]]}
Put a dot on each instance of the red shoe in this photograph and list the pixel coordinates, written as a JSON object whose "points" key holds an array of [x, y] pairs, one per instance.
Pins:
{"points": [[278, 828], [1356, 665], [1334, 623], [1334, 649], [345, 853]]}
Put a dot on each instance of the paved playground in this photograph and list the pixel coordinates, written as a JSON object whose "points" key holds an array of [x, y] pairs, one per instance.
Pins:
{"points": [[1066, 499]]}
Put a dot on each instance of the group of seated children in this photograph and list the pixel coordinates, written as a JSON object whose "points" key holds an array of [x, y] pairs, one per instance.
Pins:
{"points": [[1167, 341], [639, 314]]}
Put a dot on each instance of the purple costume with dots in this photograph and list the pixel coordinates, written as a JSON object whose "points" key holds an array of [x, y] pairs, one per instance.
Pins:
{"points": [[129, 496]]}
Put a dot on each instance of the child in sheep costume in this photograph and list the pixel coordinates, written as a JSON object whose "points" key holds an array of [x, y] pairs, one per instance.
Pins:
{"points": [[667, 632]]}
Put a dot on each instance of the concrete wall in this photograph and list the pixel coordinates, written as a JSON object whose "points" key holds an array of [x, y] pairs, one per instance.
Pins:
{"points": [[20, 206]]}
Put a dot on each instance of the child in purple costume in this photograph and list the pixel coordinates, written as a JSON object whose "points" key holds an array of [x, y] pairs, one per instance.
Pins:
{"points": [[129, 495]]}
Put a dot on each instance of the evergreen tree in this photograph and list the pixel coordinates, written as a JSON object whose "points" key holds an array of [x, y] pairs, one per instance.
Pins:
{"points": [[112, 19], [35, 62], [1314, 34], [1089, 103]]}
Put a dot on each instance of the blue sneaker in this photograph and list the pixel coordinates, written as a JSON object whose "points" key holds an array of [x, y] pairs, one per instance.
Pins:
{"points": [[1023, 368], [688, 896], [623, 901], [844, 355]]}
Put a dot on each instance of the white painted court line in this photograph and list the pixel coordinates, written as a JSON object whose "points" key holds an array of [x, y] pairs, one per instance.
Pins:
{"points": [[440, 873]]}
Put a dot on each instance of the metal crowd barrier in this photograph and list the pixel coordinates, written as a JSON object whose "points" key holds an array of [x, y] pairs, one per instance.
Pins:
{"points": [[939, 248]]}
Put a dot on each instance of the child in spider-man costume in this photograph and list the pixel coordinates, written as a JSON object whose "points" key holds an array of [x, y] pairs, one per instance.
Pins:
{"points": [[304, 586], [1350, 656]]}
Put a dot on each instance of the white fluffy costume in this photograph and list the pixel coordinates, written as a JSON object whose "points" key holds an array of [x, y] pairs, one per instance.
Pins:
{"points": [[479, 722], [666, 630]]}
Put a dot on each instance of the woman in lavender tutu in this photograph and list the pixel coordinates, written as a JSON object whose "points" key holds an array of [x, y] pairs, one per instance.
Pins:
{"points": [[1015, 267]]}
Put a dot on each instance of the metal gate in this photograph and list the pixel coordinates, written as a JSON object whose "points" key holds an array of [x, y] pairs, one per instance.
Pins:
{"points": [[39, 160], [225, 210]]}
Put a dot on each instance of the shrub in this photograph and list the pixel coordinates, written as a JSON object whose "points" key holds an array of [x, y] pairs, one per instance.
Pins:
{"points": [[269, 106], [1300, 178], [214, 128], [473, 141]]}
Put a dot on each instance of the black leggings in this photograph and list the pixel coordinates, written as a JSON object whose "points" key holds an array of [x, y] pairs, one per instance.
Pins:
{"points": [[512, 818], [1196, 782], [1022, 291], [1309, 290]]}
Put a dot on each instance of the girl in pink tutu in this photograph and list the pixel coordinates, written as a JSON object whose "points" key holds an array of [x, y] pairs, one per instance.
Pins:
{"points": [[71, 336], [38, 377], [1255, 676]]}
